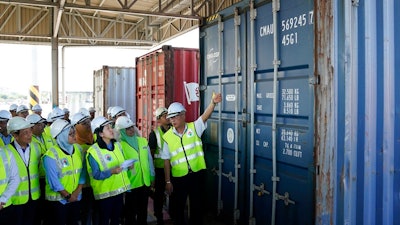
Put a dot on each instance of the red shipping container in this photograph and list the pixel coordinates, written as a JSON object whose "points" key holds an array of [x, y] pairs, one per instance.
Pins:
{"points": [[164, 76]]}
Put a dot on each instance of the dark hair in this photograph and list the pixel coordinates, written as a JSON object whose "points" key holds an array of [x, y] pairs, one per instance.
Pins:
{"points": [[100, 140]]}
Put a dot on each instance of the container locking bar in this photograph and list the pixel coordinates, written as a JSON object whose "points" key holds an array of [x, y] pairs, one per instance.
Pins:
{"points": [[285, 198]]}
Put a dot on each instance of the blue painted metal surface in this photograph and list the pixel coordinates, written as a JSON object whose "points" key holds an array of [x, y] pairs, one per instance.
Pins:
{"points": [[338, 112]]}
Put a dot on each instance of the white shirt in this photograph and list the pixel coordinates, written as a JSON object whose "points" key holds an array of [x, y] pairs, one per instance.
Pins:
{"points": [[200, 128], [24, 154], [13, 181]]}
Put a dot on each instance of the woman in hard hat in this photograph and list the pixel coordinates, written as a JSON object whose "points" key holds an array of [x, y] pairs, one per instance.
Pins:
{"points": [[141, 176], [63, 164], [107, 178], [84, 137]]}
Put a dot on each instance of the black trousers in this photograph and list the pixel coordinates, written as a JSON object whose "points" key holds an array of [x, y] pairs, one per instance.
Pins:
{"points": [[26, 214], [60, 214], [136, 202], [7, 215], [110, 209], [159, 195], [190, 185]]}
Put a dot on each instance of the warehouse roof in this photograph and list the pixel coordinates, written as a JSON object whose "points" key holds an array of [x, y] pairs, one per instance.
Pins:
{"points": [[102, 22]]}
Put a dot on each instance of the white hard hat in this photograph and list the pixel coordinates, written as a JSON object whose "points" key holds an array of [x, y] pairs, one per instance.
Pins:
{"points": [[37, 108], [123, 122], [58, 126], [174, 109], [57, 113], [91, 109], [22, 108], [98, 122], [160, 111], [13, 107], [78, 117], [109, 110], [17, 123], [66, 110], [84, 111], [49, 119], [116, 110], [35, 119], [5, 115]]}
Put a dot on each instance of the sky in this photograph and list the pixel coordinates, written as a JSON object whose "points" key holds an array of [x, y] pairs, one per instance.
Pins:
{"points": [[26, 65]]}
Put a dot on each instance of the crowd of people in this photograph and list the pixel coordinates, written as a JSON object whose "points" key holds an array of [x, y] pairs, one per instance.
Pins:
{"points": [[89, 170]]}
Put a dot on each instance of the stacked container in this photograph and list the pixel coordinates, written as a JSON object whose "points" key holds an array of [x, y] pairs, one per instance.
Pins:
{"points": [[164, 76]]}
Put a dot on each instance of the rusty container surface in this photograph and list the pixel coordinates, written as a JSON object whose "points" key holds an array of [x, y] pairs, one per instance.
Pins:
{"points": [[164, 76]]}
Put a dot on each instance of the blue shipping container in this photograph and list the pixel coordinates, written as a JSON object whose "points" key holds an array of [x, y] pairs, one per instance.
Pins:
{"points": [[309, 125]]}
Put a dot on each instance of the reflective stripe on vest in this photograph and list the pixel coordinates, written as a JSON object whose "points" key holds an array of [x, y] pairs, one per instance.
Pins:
{"points": [[29, 175], [5, 173], [69, 167], [158, 161], [186, 151], [139, 175], [116, 183]]}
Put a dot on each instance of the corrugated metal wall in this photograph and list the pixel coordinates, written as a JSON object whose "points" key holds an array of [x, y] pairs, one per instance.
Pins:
{"points": [[358, 153], [352, 161]]}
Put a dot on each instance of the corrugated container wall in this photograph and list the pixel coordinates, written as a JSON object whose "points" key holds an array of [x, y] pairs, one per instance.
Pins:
{"points": [[309, 128], [164, 76], [115, 86]]}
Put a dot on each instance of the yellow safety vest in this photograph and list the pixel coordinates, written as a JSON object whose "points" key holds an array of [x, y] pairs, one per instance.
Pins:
{"points": [[29, 175], [42, 149], [158, 161], [5, 172], [49, 141], [70, 167], [116, 183], [191, 144], [140, 174]]}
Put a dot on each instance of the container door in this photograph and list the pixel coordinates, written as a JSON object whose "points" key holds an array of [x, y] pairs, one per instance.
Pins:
{"points": [[294, 114], [224, 70], [98, 92]]}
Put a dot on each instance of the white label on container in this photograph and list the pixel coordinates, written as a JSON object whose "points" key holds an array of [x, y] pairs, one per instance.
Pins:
{"points": [[291, 147], [291, 101], [230, 135], [230, 98]]}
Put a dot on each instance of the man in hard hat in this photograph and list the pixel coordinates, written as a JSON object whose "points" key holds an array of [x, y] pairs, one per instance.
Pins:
{"points": [[38, 123], [13, 109], [27, 155], [37, 109], [116, 112], [92, 112], [9, 182], [184, 158], [22, 111], [5, 136], [156, 143]]}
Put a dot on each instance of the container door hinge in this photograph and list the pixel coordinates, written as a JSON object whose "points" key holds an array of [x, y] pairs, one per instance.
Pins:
{"points": [[315, 80]]}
